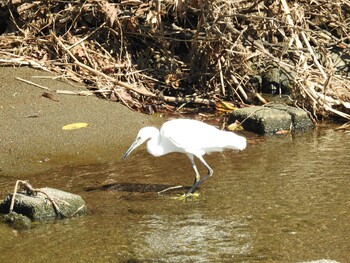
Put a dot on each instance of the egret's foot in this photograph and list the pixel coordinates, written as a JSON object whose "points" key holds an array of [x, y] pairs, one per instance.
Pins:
{"points": [[192, 195], [187, 196]]}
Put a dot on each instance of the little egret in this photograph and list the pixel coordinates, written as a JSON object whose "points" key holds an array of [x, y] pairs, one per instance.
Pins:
{"points": [[192, 137]]}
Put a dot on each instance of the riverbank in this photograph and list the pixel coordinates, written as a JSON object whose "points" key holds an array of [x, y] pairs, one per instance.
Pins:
{"points": [[31, 135], [179, 54]]}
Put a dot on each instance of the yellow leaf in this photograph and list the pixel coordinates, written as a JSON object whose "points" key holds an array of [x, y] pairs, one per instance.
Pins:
{"points": [[236, 126], [75, 126], [224, 106], [172, 79]]}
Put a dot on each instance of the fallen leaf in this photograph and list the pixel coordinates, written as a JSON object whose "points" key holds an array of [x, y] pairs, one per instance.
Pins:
{"points": [[224, 106], [341, 45], [75, 126], [172, 80], [236, 126]]}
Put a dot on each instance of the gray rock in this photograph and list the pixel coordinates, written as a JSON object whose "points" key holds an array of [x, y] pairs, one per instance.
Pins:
{"points": [[38, 207], [272, 118], [277, 80]]}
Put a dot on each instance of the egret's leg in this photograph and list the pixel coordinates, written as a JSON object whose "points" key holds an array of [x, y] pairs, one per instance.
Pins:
{"points": [[198, 177], [199, 182]]}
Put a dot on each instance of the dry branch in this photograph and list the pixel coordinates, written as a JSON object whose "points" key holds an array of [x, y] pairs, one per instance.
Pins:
{"points": [[34, 84]]}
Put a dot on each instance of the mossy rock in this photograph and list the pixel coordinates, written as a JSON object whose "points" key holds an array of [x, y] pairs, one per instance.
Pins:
{"points": [[38, 207]]}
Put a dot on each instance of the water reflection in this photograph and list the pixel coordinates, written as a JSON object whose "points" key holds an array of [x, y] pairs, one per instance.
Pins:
{"points": [[194, 237], [282, 200]]}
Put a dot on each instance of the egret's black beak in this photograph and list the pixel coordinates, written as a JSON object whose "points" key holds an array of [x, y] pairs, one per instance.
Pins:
{"points": [[133, 146]]}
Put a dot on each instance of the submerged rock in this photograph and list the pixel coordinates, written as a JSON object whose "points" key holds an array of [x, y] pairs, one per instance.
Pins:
{"points": [[38, 207], [272, 118], [17, 221]]}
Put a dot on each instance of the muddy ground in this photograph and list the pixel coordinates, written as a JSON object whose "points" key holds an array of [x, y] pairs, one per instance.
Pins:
{"points": [[31, 135]]}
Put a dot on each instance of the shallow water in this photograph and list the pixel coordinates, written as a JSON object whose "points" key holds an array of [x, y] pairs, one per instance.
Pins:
{"points": [[283, 199]]}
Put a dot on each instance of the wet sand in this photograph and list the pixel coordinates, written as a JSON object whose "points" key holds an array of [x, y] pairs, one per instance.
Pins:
{"points": [[31, 135]]}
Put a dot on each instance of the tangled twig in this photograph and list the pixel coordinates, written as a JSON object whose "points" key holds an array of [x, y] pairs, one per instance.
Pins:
{"points": [[27, 187]]}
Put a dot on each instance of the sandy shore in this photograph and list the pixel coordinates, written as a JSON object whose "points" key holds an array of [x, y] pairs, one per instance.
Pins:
{"points": [[31, 135]]}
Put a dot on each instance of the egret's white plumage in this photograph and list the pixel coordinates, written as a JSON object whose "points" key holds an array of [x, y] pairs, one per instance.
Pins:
{"points": [[191, 137]]}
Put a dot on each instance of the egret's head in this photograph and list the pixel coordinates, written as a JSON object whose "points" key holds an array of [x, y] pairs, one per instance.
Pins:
{"points": [[143, 135]]}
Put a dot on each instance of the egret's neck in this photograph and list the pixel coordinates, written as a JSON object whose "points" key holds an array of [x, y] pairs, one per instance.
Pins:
{"points": [[153, 145]]}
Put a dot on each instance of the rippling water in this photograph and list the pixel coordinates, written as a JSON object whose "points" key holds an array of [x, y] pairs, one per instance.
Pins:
{"points": [[283, 199]]}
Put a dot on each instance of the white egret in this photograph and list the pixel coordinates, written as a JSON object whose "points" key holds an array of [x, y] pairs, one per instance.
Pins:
{"points": [[191, 137]]}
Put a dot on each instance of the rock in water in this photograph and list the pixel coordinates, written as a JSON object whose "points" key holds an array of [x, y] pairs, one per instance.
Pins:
{"points": [[38, 206], [272, 118]]}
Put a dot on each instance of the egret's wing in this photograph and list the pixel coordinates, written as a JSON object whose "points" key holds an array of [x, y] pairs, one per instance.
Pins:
{"points": [[191, 136]]}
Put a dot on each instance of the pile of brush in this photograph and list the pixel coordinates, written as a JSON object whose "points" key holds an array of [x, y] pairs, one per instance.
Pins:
{"points": [[162, 55]]}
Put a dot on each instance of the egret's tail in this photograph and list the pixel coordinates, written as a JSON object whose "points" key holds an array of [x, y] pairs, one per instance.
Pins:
{"points": [[236, 142]]}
